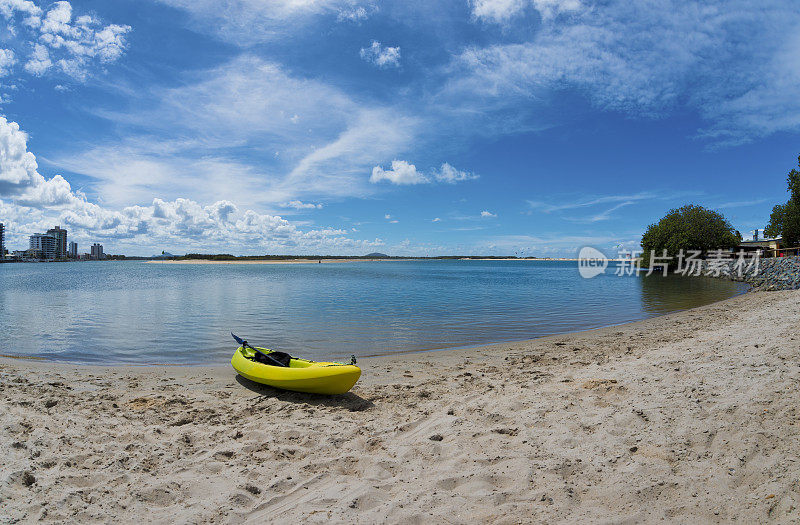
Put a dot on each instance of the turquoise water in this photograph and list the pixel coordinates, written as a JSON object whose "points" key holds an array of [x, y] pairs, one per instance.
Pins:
{"points": [[135, 312]]}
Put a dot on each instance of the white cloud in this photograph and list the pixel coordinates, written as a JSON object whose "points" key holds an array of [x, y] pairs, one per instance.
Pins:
{"points": [[299, 205], [603, 215], [7, 61], [497, 10], [551, 205], [437, 219], [44, 39], [326, 139], [646, 60], [450, 175], [551, 8], [387, 216], [354, 13], [18, 167], [402, 173], [488, 214], [741, 204], [247, 22], [29, 202], [501, 11], [383, 57], [9, 8], [39, 60]]}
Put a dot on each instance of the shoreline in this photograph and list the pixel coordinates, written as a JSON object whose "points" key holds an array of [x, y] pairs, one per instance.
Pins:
{"points": [[681, 417]]}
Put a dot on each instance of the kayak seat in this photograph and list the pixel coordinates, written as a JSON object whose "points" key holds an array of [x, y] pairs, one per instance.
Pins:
{"points": [[273, 359]]}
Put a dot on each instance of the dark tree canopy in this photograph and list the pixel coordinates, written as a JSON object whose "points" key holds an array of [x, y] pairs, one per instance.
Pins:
{"points": [[785, 218], [691, 227]]}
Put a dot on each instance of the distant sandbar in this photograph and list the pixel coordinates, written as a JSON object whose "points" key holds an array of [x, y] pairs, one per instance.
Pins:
{"points": [[261, 261]]}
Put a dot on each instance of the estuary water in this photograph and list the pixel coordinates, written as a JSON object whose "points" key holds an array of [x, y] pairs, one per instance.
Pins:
{"points": [[143, 313]]}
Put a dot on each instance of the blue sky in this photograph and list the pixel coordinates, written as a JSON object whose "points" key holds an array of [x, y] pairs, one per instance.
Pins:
{"points": [[423, 128]]}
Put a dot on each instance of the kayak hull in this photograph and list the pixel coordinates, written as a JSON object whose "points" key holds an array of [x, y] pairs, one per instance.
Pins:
{"points": [[312, 377]]}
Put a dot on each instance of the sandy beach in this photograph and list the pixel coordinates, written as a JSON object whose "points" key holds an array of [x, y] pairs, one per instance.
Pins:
{"points": [[689, 417]]}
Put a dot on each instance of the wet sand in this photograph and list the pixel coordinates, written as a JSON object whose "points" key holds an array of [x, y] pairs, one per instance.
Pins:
{"points": [[690, 417]]}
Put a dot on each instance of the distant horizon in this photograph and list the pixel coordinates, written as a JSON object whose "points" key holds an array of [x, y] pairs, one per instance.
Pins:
{"points": [[348, 126]]}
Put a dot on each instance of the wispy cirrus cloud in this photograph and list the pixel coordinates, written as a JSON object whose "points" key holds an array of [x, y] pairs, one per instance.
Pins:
{"points": [[549, 207], [647, 60], [592, 209], [248, 22], [299, 205], [741, 204], [603, 215], [305, 139]]}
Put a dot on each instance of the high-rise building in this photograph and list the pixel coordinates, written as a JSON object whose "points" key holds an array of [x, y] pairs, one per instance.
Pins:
{"points": [[60, 235], [44, 245], [73, 250], [97, 251], [2, 241]]}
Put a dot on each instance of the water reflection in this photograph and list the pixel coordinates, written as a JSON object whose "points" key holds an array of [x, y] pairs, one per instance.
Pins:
{"points": [[663, 294], [144, 313]]}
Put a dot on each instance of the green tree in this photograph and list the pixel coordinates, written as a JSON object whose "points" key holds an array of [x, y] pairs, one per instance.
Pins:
{"points": [[785, 218], [691, 227]]}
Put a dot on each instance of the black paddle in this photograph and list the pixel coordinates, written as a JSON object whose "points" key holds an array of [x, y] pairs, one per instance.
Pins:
{"points": [[245, 345]]}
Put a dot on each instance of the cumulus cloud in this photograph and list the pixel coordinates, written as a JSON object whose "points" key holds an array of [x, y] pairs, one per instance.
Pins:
{"points": [[18, 167], [403, 173], [383, 57], [30, 202], [487, 214], [52, 40], [10, 7], [39, 60]]}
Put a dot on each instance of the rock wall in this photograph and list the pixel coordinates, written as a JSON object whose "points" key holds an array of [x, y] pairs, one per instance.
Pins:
{"points": [[775, 273]]}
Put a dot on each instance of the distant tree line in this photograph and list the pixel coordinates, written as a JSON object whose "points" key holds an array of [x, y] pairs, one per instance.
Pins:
{"points": [[229, 257]]}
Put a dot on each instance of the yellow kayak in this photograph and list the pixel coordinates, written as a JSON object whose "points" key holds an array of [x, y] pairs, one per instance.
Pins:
{"points": [[301, 375]]}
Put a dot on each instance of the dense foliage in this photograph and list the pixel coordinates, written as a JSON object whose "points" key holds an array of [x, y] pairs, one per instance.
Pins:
{"points": [[689, 228], [785, 218]]}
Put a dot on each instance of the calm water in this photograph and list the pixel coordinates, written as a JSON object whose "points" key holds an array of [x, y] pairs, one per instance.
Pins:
{"points": [[134, 312]]}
